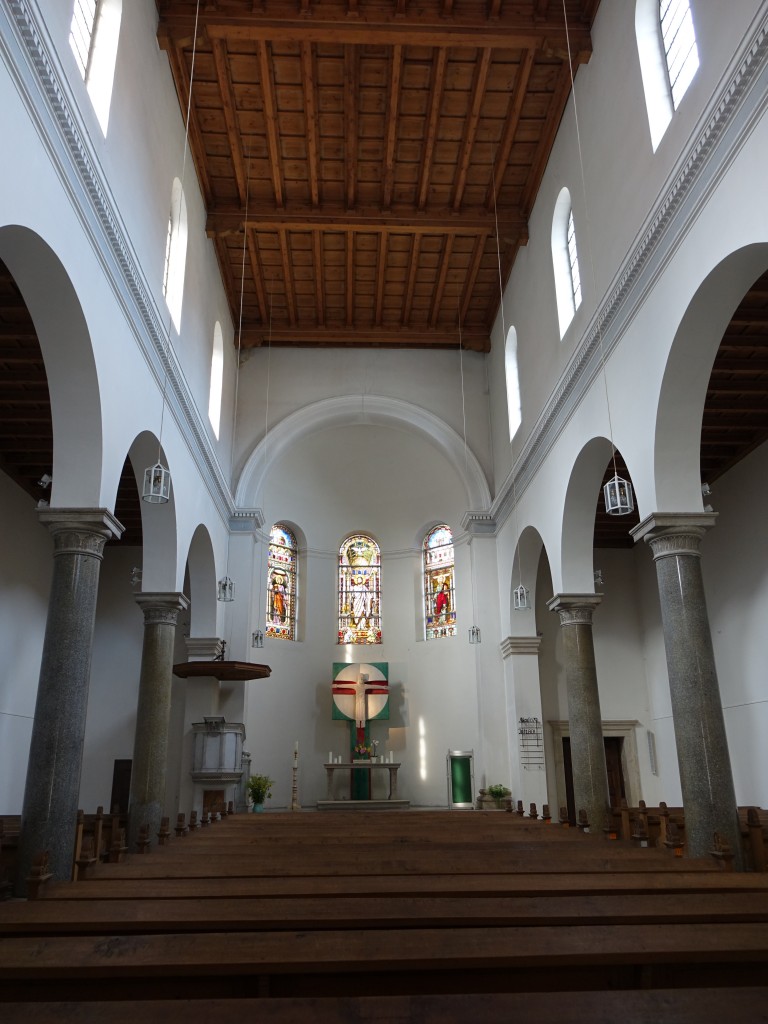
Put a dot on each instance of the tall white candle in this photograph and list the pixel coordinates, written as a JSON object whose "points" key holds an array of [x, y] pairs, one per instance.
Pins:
{"points": [[296, 747], [330, 757]]}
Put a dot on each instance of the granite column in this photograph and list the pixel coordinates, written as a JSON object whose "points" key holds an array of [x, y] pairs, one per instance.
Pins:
{"points": [[590, 778], [49, 814], [150, 748], [706, 779]]}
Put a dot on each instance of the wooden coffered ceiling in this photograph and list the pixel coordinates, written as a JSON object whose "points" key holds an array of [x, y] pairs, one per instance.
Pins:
{"points": [[368, 148]]}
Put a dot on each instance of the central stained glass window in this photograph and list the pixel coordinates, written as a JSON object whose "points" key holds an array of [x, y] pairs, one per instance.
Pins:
{"points": [[359, 591], [439, 592]]}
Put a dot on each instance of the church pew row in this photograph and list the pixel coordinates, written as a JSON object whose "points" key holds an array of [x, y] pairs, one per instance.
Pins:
{"points": [[384, 961], [687, 1006], [317, 912]]}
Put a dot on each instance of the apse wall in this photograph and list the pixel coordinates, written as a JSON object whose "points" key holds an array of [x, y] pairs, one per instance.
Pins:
{"points": [[394, 485]]}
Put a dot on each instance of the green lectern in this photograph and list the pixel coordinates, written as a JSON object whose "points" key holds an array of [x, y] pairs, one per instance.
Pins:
{"points": [[461, 779]]}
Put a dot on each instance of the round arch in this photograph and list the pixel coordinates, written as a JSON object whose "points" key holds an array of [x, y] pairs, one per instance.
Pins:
{"points": [[159, 524], [677, 439], [201, 567], [67, 351], [353, 410]]}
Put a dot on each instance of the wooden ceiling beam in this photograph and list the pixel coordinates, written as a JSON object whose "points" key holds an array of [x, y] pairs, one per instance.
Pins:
{"points": [[230, 117], [223, 220], [437, 300], [426, 25], [736, 387], [181, 80], [413, 266], [350, 282], [257, 273], [435, 98], [516, 100], [471, 124], [351, 89], [317, 248], [474, 270], [310, 120], [270, 117], [290, 291], [29, 354], [371, 337], [394, 102], [381, 277]]}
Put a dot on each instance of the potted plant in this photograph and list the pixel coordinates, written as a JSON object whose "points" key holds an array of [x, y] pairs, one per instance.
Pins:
{"points": [[498, 792], [259, 789]]}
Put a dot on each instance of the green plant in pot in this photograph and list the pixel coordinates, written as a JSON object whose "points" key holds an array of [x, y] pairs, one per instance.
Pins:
{"points": [[259, 789], [498, 792]]}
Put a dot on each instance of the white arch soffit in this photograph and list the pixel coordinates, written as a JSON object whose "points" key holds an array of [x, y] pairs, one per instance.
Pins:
{"points": [[353, 410]]}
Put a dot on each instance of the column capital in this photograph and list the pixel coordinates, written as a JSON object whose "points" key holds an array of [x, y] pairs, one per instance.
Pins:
{"points": [[162, 607], [574, 609], [674, 533], [80, 531], [512, 645]]}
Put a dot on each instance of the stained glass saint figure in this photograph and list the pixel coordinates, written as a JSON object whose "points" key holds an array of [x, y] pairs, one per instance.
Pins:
{"points": [[439, 592]]}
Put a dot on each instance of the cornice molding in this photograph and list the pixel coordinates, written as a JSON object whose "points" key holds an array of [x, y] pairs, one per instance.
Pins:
{"points": [[733, 110]]}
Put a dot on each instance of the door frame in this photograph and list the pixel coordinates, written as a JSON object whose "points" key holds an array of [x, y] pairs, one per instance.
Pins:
{"points": [[630, 763]]}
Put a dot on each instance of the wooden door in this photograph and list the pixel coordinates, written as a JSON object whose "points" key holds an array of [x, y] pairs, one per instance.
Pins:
{"points": [[616, 791]]}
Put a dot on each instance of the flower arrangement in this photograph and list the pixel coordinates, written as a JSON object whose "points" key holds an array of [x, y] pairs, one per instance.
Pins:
{"points": [[260, 788], [361, 750], [498, 792]]}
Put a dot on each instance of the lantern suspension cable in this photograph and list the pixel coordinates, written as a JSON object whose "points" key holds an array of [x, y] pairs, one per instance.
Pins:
{"points": [[257, 637], [520, 599], [225, 588], [157, 478], [474, 631], [617, 492]]}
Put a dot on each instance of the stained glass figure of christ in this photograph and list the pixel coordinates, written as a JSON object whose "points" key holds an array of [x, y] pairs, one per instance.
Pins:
{"points": [[360, 696], [359, 591]]}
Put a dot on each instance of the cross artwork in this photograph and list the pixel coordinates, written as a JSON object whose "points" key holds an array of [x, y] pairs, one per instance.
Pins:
{"points": [[360, 696]]}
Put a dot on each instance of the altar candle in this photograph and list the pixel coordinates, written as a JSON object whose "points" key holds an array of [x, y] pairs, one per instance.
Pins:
{"points": [[391, 757], [330, 757]]}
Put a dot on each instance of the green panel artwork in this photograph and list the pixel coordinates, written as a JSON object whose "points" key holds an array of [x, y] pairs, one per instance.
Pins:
{"points": [[461, 779]]}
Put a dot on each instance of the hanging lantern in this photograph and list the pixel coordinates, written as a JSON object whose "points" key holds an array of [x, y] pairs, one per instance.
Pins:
{"points": [[257, 638], [474, 635], [619, 500], [225, 589], [520, 598], [157, 484]]}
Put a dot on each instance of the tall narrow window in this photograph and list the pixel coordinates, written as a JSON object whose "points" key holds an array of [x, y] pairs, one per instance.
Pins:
{"points": [[359, 591], [565, 261], [573, 261], [439, 590], [513, 382], [281, 583], [669, 57], [217, 380], [175, 253], [93, 36], [680, 50]]}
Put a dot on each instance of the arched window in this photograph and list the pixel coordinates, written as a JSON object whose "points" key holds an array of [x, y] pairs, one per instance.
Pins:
{"points": [[282, 581], [359, 591], [514, 410], [565, 261], [217, 380], [669, 58], [175, 253], [93, 36], [439, 589]]}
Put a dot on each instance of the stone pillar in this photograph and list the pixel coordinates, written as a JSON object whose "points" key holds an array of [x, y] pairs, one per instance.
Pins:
{"points": [[702, 748], [49, 814], [150, 748], [590, 778]]}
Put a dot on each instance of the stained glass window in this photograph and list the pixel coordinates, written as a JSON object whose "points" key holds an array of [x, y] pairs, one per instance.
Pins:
{"points": [[359, 591], [281, 584], [439, 590]]}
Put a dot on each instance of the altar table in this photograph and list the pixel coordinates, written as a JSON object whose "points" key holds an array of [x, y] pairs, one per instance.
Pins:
{"points": [[368, 766]]}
